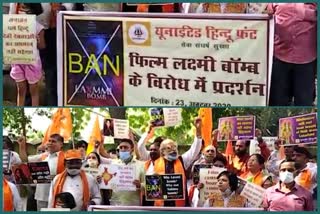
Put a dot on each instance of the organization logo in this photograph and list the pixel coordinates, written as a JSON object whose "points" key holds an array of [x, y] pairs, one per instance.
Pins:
{"points": [[138, 33]]}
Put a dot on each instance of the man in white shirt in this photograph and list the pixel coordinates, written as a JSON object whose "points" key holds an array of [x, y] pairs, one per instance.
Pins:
{"points": [[55, 158], [126, 158], [81, 185], [188, 157]]}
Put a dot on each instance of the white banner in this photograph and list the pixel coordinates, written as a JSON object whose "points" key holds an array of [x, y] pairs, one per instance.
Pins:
{"points": [[142, 59]]}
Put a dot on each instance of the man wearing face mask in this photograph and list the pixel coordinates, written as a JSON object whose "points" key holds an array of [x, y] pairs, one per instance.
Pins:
{"points": [[171, 163], [81, 185], [126, 158], [207, 156], [55, 158], [287, 195]]}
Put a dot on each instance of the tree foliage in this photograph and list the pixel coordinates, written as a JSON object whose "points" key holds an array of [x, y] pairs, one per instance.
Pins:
{"points": [[18, 123]]}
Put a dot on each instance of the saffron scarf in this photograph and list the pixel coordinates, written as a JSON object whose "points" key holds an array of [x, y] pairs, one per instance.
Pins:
{"points": [[59, 187]]}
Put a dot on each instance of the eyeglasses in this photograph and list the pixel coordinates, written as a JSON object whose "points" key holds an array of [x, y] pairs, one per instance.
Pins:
{"points": [[211, 150]]}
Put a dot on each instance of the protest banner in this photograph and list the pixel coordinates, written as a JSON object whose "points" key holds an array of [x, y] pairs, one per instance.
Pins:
{"points": [[236, 128], [141, 59], [40, 172], [21, 174], [208, 177], [300, 129], [253, 193], [164, 187], [165, 116], [117, 177], [196, 171], [19, 39]]}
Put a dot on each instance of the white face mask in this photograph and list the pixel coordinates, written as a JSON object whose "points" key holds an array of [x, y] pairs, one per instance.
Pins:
{"points": [[92, 163], [73, 171], [286, 177]]}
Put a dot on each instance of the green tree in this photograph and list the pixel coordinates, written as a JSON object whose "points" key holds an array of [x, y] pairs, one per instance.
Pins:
{"points": [[16, 121], [139, 120]]}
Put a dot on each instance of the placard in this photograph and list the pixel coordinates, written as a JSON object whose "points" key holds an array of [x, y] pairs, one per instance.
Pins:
{"points": [[19, 39], [121, 128], [164, 187], [22, 174], [209, 179], [253, 193], [300, 129], [236, 128], [142, 59], [165, 117], [40, 172], [117, 177]]}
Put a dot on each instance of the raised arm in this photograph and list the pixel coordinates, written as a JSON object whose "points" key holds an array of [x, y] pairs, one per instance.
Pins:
{"points": [[189, 156]]}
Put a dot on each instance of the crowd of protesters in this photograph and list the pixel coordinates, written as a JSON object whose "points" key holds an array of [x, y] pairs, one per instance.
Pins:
{"points": [[295, 49], [290, 180]]}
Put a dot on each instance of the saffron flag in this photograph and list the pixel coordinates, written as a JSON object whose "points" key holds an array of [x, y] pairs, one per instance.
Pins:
{"points": [[61, 123], [206, 116], [95, 136]]}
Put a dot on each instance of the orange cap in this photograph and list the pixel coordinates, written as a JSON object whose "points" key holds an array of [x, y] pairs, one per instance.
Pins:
{"points": [[72, 154]]}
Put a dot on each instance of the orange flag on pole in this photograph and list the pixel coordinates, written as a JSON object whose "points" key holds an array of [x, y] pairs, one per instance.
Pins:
{"points": [[229, 149], [95, 136], [206, 116], [61, 123]]}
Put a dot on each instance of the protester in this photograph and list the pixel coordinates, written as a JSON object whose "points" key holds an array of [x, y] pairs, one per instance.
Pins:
{"points": [[55, 158], [65, 200], [207, 157], [126, 158], [255, 170], [82, 146], [81, 185], [14, 156], [11, 197], [219, 161], [306, 177], [295, 53], [237, 162], [287, 195], [171, 163], [227, 197], [29, 74]]}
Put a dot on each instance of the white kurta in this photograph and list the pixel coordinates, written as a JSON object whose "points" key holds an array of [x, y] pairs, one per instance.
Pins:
{"points": [[129, 198], [75, 187]]}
